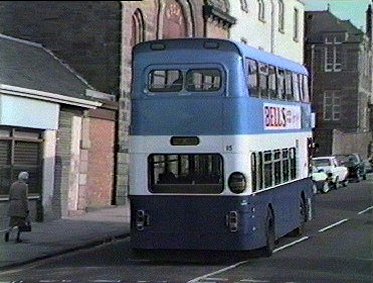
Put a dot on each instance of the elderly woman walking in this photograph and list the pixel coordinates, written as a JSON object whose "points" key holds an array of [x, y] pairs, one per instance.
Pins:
{"points": [[18, 205]]}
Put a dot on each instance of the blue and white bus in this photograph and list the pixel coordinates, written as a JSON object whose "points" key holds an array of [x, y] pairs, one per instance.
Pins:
{"points": [[220, 140]]}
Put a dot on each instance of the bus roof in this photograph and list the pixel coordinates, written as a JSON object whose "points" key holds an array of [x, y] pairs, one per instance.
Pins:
{"points": [[220, 45]]}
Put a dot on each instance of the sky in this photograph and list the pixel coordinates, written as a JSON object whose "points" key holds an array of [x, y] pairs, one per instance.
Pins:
{"points": [[353, 10]]}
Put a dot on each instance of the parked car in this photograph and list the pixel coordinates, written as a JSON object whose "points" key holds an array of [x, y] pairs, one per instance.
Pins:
{"points": [[355, 165], [330, 166], [368, 166], [321, 181]]}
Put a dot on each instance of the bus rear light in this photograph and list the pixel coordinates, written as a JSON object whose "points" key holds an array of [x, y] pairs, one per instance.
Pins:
{"points": [[231, 221], [142, 220], [237, 182]]}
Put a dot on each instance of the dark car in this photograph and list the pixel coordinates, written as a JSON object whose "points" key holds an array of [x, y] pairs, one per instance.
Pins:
{"points": [[355, 165]]}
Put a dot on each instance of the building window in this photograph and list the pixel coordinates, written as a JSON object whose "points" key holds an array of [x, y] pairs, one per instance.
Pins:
{"points": [[281, 16], [332, 106], [296, 25], [244, 6], [333, 53], [261, 10], [20, 150], [138, 29], [333, 58]]}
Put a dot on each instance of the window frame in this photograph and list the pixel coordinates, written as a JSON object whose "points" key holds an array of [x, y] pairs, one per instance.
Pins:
{"points": [[281, 16], [261, 11], [16, 162], [192, 173], [273, 168]]}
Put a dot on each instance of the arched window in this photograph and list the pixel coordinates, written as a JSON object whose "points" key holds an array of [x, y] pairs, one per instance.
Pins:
{"points": [[138, 28], [261, 10], [281, 16], [174, 24]]}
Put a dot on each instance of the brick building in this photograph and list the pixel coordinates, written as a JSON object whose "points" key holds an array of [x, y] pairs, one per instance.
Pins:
{"points": [[339, 56], [48, 126]]}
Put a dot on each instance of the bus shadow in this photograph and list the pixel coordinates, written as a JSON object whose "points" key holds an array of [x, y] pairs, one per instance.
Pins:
{"points": [[194, 257]]}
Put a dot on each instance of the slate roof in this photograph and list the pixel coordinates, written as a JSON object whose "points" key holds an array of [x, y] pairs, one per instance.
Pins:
{"points": [[319, 22], [29, 65]]}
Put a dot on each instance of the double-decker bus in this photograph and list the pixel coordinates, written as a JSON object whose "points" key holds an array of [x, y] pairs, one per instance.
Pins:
{"points": [[219, 146]]}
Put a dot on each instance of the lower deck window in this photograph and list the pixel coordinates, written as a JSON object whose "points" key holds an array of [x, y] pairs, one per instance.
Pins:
{"points": [[186, 173], [273, 167]]}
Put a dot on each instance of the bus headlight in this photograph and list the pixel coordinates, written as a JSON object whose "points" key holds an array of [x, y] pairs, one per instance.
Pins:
{"points": [[237, 182]]}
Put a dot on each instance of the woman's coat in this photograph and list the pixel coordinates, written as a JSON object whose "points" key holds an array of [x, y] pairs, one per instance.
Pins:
{"points": [[18, 204]]}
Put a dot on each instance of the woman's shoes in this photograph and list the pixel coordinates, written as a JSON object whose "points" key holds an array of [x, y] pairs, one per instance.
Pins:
{"points": [[18, 241]]}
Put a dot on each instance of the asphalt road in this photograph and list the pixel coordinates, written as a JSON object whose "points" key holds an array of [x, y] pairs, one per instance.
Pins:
{"points": [[337, 247]]}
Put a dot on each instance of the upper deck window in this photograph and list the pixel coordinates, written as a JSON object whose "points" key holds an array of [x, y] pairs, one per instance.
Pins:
{"points": [[253, 77], [203, 80], [165, 81], [197, 80]]}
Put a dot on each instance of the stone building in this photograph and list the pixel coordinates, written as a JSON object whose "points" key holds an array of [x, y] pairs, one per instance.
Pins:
{"points": [[156, 19], [339, 56], [275, 26], [49, 118]]}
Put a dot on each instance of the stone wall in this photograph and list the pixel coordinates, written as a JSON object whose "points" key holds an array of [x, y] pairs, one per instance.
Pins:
{"points": [[345, 143]]}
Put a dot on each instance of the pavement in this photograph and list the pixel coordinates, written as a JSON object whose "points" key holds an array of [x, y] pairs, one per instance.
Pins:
{"points": [[68, 234]]}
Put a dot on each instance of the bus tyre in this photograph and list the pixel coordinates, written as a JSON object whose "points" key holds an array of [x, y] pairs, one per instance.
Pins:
{"points": [[270, 234], [302, 219]]}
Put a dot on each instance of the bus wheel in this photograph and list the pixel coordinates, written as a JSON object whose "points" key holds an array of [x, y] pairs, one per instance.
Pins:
{"points": [[302, 219], [270, 234]]}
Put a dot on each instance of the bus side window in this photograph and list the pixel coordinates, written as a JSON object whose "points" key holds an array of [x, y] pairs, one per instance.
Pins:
{"points": [[268, 169], [277, 166], [296, 92], [254, 172], [285, 165], [263, 80], [306, 95], [288, 86], [253, 77], [293, 164], [272, 81], [260, 170], [280, 83], [301, 88]]}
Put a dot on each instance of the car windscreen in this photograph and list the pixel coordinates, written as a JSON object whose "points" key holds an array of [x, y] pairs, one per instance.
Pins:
{"points": [[321, 162]]}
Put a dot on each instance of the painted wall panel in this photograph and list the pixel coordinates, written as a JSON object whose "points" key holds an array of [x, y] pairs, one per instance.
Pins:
{"points": [[29, 113]]}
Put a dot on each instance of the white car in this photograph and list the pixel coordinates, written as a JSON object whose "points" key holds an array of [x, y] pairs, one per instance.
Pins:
{"points": [[330, 166]]}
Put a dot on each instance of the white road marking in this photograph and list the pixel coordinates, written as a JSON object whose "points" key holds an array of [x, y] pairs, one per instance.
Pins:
{"points": [[290, 244], [254, 281], [365, 210], [333, 225], [203, 277]]}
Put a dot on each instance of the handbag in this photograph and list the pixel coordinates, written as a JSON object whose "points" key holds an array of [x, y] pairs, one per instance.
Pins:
{"points": [[26, 227]]}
